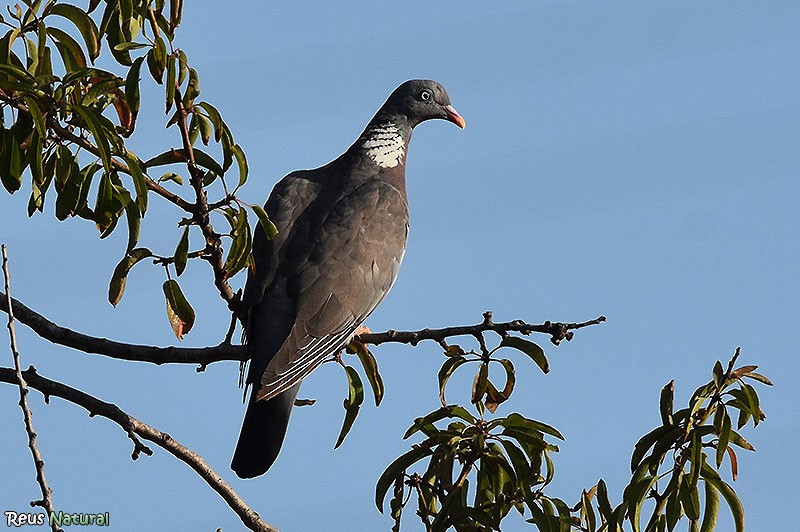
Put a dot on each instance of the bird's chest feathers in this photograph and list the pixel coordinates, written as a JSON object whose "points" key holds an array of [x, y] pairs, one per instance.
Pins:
{"points": [[384, 145]]}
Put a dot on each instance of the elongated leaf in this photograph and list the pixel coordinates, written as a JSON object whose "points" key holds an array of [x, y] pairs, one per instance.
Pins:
{"points": [[266, 224], [241, 161], [447, 369], [737, 510], [529, 348], [437, 415], [134, 218], [666, 402], [182, 252], [395, 470], [352, 404], [371, 370], [10, 161], [517, 420], [84, 23], [179, 311], [724, 438], [36, 114], [71, 52], [479, 383], [711, 511], [215, 117], [646, 442], [169, 86], [116, 287], [132, 94], [179, 156], [139, 181], [94, 125]]}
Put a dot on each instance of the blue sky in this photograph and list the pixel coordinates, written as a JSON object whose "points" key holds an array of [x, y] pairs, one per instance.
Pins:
{"points": [[637, 160]]}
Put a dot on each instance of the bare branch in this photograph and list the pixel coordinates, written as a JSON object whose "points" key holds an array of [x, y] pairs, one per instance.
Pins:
{"points": [[225, 351], [131, 425], [102, 346], [558, 331], [38, 461]]}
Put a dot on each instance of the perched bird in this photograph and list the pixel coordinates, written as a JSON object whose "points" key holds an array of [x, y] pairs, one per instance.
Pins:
{"points": [[342, 232]]}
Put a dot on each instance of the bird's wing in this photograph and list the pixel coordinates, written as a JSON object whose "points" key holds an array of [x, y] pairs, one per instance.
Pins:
{"points": [[351, 261], [265, 303]]}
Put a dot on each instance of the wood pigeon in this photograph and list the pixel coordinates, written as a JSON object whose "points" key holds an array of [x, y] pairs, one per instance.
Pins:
{"points": [[342, 232]]}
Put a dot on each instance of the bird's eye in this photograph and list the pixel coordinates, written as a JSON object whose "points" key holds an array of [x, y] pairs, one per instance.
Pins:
{"points": [[425, 95]]}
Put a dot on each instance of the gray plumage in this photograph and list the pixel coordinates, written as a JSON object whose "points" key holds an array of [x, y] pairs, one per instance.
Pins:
{"points": [[342, 231]]}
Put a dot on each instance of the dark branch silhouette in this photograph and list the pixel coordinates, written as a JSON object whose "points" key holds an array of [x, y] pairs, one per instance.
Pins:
{"points": [[17, 378], [134, 427], [225, 351]]}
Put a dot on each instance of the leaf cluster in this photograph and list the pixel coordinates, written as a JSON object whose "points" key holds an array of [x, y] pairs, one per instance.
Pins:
{"points": [[65, 123]]}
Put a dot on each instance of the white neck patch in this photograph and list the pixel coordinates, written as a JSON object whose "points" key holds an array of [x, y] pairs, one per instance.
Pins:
{"points": [[384, 145]]}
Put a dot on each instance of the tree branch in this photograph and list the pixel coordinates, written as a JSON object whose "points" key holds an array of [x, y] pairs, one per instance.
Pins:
{"points": [[47, 494], [131, 425], [201, 211], [206, 355]]}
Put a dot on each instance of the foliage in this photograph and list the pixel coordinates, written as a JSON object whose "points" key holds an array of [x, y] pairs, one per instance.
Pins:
{"points": [[472, 471], [67, 122]]}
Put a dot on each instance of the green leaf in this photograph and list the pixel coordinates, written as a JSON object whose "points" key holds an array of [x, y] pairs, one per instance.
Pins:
{"points": [[736, 439], [171, 176], [728, 493], [724, 437], [215, 117], [179, 312], [529, 348], [182, 252], [352, 404], [36, 114], [240, 247], [646, 442], [241, 161], [266, 224], [116, 287], [690, 499], [84, 23], [479, 384], [711, 512], [71, 52], [395, 470], [517, 420], [139, 181], [173, 156], [447, 369], [92, 122], [10, 161], [169, 86], [128, 46], [175, 13], [603, 503], [132, 88], [134, 217], [437, 415], [156, 60], [371, 370], [666, 402], [192, 89], [203, 126]]}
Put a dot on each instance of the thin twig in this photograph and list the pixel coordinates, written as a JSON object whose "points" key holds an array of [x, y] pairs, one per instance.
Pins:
{"points": [[201, 210], [206, 355], [47, 494], [131, 425]]}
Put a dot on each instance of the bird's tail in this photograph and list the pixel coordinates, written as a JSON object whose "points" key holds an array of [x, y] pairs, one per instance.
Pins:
{"points": [[262, 434]]}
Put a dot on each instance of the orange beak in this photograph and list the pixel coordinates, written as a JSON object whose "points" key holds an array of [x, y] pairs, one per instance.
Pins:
{"points": [[454, 117]]}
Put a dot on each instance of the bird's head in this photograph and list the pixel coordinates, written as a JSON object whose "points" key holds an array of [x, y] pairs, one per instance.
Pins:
{"points": [[422, 99]]}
